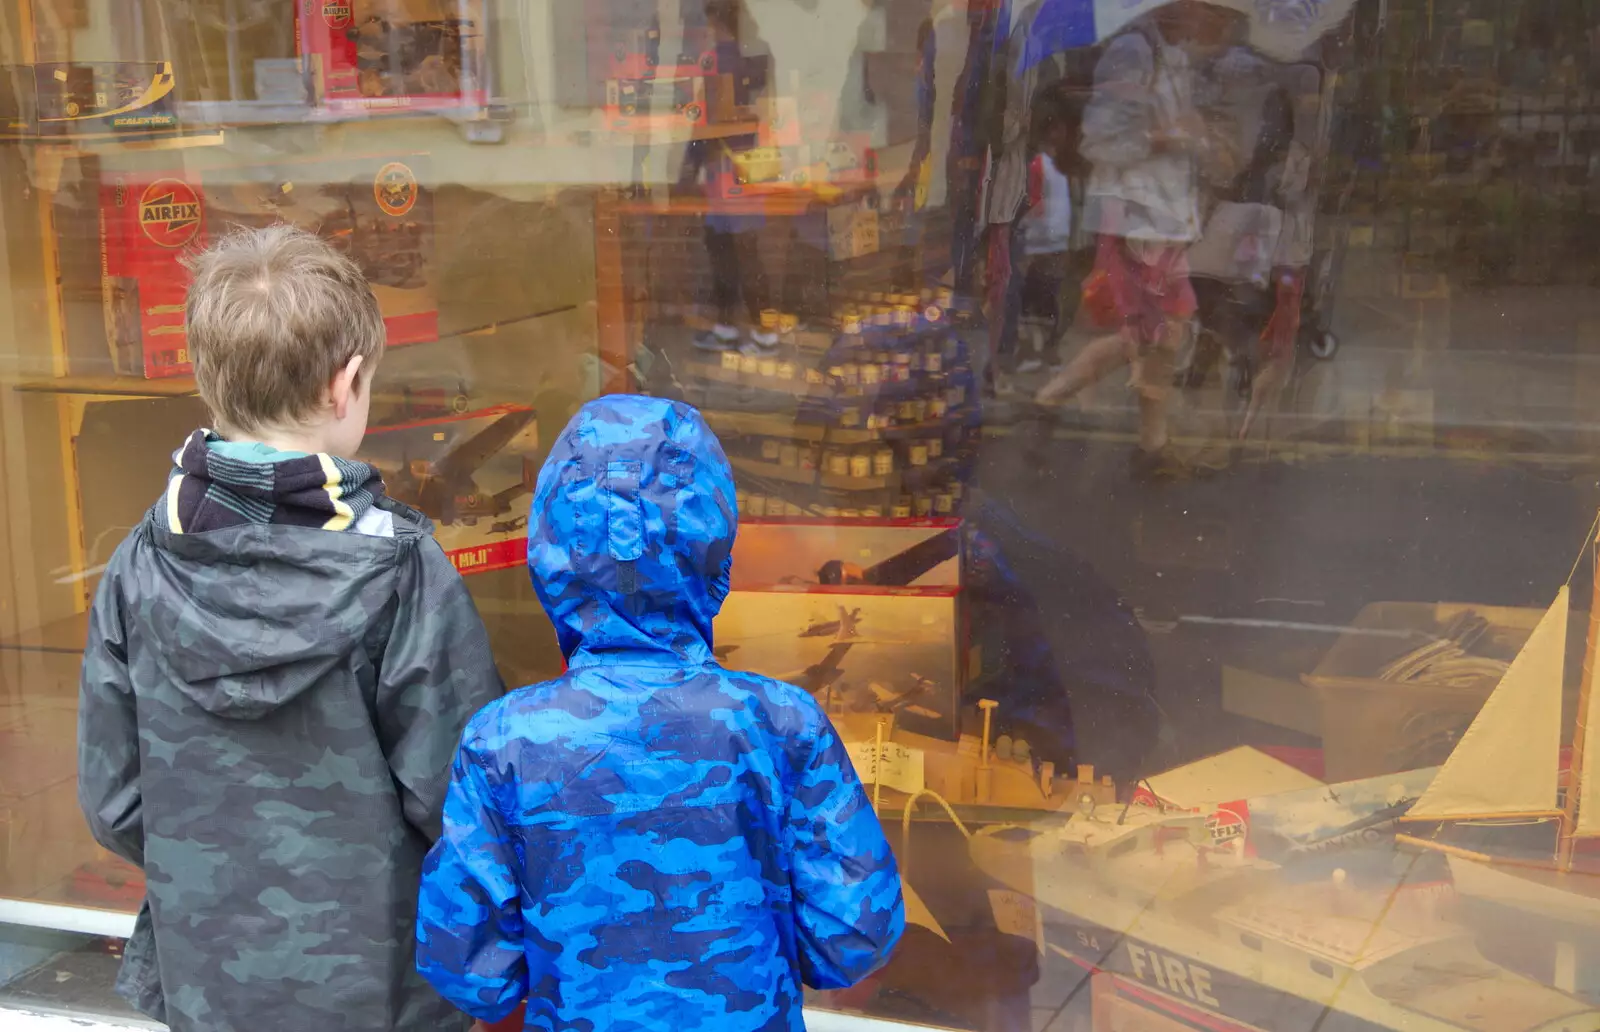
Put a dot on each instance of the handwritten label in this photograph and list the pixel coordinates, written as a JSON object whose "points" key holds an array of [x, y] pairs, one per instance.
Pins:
{"points": [[1016, 914], [898, 767]]}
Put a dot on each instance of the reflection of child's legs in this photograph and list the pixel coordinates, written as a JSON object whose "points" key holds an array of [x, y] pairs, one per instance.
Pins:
{"points": [[722, 250], [1041, 297], [1156, 367], [751, 274], [1098, 358]]}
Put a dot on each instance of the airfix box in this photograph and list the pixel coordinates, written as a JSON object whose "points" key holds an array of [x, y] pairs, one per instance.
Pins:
{"points": [[375, 209], [59, 99], [148, 221], [865, 616], [857, 650], [375, 55], [881, 553], [642, 105], [470, 473]]}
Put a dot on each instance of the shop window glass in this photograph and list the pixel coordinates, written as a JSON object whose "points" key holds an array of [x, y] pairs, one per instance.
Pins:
{"points": [[1163, 437]]}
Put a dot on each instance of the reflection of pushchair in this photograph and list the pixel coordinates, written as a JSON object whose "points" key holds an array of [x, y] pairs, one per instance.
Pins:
{"points": [[1237, 317], [1317, 338]]}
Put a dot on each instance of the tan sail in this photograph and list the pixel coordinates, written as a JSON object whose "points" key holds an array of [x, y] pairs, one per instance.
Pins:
{"points": [[1507, 762]]}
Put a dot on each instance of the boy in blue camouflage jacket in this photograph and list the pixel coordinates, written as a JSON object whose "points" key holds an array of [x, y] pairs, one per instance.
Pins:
{"points": [[649, 841], [279, 664]]}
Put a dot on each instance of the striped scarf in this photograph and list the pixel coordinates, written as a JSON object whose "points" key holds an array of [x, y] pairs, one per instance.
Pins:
{"points": [[209, 491]]}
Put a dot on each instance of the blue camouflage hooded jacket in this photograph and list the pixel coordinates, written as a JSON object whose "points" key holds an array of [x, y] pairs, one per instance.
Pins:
{"points": [[649, 841]]}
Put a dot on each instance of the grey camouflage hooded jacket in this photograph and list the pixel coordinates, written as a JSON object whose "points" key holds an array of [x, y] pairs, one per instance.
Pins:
{"points": [[268, 715]]}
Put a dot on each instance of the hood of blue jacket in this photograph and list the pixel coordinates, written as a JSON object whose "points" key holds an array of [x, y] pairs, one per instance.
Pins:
{"points": [[630, 537]]}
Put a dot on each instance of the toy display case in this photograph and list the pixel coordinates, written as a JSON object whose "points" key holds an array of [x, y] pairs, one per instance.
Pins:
{"points": [[1240, 891]]}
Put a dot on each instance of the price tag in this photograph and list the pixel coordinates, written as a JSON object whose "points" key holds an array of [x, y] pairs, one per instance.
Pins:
{"points": [[898, 767], [1016, 914]]}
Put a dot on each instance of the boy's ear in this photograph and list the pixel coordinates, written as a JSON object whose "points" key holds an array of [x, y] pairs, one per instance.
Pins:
{"points": [[346, 386]]}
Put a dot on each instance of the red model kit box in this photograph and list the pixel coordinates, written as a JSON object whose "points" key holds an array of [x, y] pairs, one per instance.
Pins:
{"points": [[147, 222], [374, 209], [470, 472], [372, 55]]}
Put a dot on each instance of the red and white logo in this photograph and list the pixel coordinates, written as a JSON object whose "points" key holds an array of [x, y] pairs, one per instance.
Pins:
{"points": [[395, 187], [336, 13], [170, 212]]}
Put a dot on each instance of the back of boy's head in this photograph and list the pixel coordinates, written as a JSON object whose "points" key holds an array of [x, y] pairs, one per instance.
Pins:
{"points": [[273, 314]]}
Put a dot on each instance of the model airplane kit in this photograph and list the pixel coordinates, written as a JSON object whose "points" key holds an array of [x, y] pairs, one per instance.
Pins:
{"points": [[471, 473]]}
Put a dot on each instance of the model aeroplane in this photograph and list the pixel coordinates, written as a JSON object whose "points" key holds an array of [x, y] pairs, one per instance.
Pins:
{"points": [[893, 700], [446, 488], [842, 628]]}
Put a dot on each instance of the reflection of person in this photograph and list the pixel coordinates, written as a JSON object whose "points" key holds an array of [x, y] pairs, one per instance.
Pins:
{"points": [[280, 660], [1076, 684], [1231, 265], [732, 234], [1145, 137], [665, 812], [1047, 225], [960, 47]]}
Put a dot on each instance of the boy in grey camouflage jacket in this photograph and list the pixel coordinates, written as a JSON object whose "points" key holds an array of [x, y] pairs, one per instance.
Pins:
{"points": [[279, 664]]}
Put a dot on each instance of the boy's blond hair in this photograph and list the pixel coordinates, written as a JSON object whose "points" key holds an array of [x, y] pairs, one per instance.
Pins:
{"points": [[273, 315]]}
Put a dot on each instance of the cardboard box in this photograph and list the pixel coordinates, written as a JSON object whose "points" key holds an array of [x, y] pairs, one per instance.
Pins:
{"points": [[884, 552], [855, 649], [374, 55], [471, 474], [147, 222], [77, 99], [1372, 727], [853, 231]]}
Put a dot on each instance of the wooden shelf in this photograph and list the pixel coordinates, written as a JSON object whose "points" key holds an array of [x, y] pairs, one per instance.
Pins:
{"points": [[762, 425], [89, 143], [834, 482], [112, 386], [791, 474], [789, 202], [668, 137]]}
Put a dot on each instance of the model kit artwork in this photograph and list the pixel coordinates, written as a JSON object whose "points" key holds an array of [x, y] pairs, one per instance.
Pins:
{"points": [[468, 472], [376, 210]]}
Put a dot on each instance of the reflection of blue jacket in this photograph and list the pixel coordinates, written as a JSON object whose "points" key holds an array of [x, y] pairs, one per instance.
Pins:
{"points": [[649, 841]]}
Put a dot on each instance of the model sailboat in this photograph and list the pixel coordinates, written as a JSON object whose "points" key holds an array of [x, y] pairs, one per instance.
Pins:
{"points": [[1498, 796], [1497, 810]]}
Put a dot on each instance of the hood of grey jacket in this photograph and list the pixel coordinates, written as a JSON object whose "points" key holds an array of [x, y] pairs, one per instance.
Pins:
{"points": [[244, 646]]}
